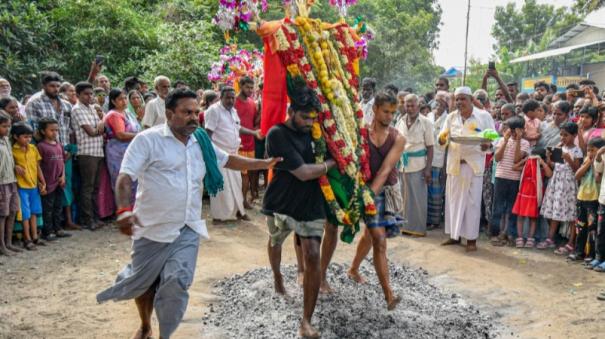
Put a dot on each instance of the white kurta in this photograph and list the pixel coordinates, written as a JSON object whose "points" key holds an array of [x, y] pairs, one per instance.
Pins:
{"points": [[463, 204], [225, 126], [465, 166]]}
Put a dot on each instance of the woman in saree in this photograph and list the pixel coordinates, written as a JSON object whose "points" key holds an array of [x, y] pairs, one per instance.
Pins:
{"points": [[119, 131], [136, 108]]}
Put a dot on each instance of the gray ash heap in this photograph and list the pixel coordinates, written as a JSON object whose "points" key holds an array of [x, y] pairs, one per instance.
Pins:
{"points": [[250, 308]]}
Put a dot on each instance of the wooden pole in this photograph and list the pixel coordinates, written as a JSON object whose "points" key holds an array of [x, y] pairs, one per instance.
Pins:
{"points": [[468, 16]]}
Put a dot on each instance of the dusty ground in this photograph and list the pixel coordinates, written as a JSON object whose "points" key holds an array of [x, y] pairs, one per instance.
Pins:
{"points": [[51, 293]]}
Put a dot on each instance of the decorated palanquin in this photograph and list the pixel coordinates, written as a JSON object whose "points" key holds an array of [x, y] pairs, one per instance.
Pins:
{"points": [[235, 63], [326, 57]]}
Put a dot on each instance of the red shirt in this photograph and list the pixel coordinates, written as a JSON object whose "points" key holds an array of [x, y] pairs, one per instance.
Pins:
{"points": [[246, 110]]}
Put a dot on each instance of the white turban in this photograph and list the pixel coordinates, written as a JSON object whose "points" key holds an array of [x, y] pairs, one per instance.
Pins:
{"points": [[464, 90]]}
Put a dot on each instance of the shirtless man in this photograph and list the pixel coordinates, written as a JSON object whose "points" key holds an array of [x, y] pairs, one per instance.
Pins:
{"points": [[386, 147]]}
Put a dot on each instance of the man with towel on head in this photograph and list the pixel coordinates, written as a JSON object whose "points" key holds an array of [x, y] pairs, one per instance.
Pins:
{"points": [[172, 162], [465, 166]]}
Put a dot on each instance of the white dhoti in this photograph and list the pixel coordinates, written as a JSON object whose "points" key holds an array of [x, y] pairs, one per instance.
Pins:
{"points": [[463, 204], [230, 200]]}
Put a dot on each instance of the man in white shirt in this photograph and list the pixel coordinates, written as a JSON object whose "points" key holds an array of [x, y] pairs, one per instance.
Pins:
{"points": [[368, 90], [171, 167], [155, 110], [465, 166], [417, 160], [223, 126]]}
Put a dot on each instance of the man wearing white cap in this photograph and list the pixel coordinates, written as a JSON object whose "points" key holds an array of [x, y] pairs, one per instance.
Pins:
{"points": [[465, 166]]}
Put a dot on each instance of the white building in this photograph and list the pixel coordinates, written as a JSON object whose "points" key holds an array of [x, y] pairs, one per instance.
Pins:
{"points": [[573, 53]]}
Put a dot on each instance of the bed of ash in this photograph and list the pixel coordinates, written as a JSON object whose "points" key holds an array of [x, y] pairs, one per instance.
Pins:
{"points": [[249, 308]]}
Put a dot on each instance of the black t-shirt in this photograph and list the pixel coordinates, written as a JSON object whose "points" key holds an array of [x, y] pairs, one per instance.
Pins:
{"points": [[301, 200]]}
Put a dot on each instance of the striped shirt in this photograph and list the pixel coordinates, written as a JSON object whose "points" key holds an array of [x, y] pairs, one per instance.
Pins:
{"points": [[7, 163], [504, 169]]}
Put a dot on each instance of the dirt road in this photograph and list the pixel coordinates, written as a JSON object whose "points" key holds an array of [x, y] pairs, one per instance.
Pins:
{"points": [[50, 293]]}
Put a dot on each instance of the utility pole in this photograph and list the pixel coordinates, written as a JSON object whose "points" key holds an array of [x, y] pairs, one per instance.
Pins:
{"points": [[468, 16]]}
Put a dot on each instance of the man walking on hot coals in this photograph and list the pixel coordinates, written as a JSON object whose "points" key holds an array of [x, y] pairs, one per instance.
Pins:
{"points": [[294, 201]]}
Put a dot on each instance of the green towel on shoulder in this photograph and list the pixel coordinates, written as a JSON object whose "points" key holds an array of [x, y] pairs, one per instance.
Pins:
{"points": [[213, 180]]}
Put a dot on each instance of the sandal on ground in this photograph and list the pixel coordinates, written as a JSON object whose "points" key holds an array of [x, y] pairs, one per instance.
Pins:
{"points": [[530, 243], [496, 241], [62, 234], [29, 245], [564, 250], [519, 243], [600, 268], [39, 242], [575, 257], [591, 265], [548, 243]]}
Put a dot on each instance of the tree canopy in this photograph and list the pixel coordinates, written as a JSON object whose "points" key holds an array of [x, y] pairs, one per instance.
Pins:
{"points": [[176, 38]]}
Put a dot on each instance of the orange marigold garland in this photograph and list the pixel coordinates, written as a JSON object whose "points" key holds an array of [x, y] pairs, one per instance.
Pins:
{"points": [[339, 127]]}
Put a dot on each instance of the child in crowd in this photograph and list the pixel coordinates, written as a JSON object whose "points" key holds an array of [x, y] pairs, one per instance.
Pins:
{"points": [[588, 200], [598, 264], [527, 205], [587, 127], [53, 170], [559, 203], [30, 182], [533, 111], [9, 199], [547, 112], [512, 148]]}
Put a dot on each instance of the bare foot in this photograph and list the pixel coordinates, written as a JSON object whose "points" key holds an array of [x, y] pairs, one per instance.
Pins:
{"points": [[14, 249], [142, 333], [308, 331], [393, 303], [279, 287], [325, 288], [247, 205], [245, 217], [6, 252], [354, 274], [300, 279], [73, 227], [450, 242]]}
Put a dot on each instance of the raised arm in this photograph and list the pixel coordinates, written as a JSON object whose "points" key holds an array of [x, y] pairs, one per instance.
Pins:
{"points": [[583, 168], [502, 146], [501, 85]]}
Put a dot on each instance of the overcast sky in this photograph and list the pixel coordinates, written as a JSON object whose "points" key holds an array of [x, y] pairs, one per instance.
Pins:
{"points": [[451, 37]]}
